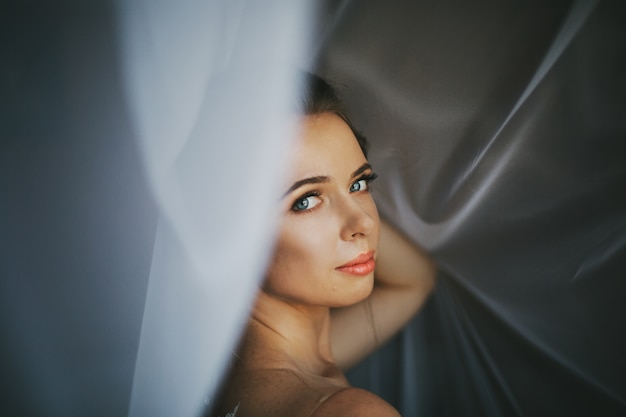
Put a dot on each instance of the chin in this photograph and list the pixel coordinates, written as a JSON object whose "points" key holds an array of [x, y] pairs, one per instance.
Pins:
{"points": [[357, 292]]}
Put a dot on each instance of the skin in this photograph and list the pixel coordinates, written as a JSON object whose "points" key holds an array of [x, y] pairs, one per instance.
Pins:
{"points": [[336, 227], [311, 319]]}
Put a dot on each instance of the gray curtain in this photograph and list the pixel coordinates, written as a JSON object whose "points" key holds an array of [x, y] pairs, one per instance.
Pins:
{"points": [[499, 130]]}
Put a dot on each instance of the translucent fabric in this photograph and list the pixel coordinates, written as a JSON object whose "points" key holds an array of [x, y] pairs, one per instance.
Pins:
{"points": [[499, 131], [142, 149], [209, 86], [145, 155]]}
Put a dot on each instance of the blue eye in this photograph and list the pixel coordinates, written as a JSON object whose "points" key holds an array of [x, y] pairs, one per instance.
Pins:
{"points": [[306, 202], [363, 183], [360, 185]]}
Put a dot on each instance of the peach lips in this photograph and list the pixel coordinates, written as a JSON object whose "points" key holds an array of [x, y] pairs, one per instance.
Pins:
{"points": [[362, 265]]}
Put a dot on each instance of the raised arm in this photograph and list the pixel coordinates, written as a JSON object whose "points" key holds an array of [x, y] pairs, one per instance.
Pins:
{"points": [[404, 277]]}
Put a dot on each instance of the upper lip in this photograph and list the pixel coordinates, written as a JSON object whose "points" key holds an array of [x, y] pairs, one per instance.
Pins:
{"points": [[361, 259]]}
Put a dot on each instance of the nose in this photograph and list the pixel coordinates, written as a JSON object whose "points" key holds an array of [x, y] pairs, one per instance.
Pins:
{"points": [[358, 218]]}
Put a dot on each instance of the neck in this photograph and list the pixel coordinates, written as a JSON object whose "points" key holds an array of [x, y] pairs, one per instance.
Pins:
{"points": [[285, 335]]}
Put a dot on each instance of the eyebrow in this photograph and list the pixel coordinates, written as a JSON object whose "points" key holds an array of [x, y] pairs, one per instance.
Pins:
{"points": [[323, 179], [363, 168], [311, 180]]}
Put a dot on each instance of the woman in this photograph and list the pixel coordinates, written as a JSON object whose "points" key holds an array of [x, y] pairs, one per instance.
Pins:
{"points": [[339, 285]]}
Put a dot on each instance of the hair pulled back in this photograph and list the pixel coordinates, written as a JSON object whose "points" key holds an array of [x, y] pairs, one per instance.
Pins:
{"points": [[318, 97]]}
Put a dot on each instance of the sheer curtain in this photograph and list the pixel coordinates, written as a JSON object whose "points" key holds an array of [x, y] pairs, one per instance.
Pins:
{"points": [[499, 133], [210, 86], [143, 146], [141, 155]]}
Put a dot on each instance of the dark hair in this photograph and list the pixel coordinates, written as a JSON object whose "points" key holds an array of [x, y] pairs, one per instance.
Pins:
{"points": [[318, 97]]}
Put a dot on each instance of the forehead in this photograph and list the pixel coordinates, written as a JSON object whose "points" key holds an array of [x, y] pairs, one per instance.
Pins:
{"points": [[326, 146]]}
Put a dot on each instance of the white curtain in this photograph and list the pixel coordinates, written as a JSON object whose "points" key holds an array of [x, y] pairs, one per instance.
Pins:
{"points": [[209, 87]]}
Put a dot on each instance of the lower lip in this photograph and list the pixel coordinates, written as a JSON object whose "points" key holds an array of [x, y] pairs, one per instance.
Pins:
{"points": [[359, 269]]}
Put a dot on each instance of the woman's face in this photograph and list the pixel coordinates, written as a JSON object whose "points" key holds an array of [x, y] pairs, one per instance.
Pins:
{"points": [[328, 232]]}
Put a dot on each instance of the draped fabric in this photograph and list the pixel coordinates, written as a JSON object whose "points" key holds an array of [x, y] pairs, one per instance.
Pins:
{"points": [[209, 87], [499, 130], [143, 145]]}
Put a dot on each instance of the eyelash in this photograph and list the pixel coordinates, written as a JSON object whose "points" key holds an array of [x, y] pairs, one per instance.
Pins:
{"points": [[304, 197], [367, 177]]}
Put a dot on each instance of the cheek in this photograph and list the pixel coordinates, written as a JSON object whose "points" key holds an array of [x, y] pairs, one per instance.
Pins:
{"points": [[369, 207], [302, 248], [300, 254], [372, 211]]}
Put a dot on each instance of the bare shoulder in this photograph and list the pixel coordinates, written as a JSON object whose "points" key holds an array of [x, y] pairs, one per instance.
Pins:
{"points": [[274, 393], [355, 402]]}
